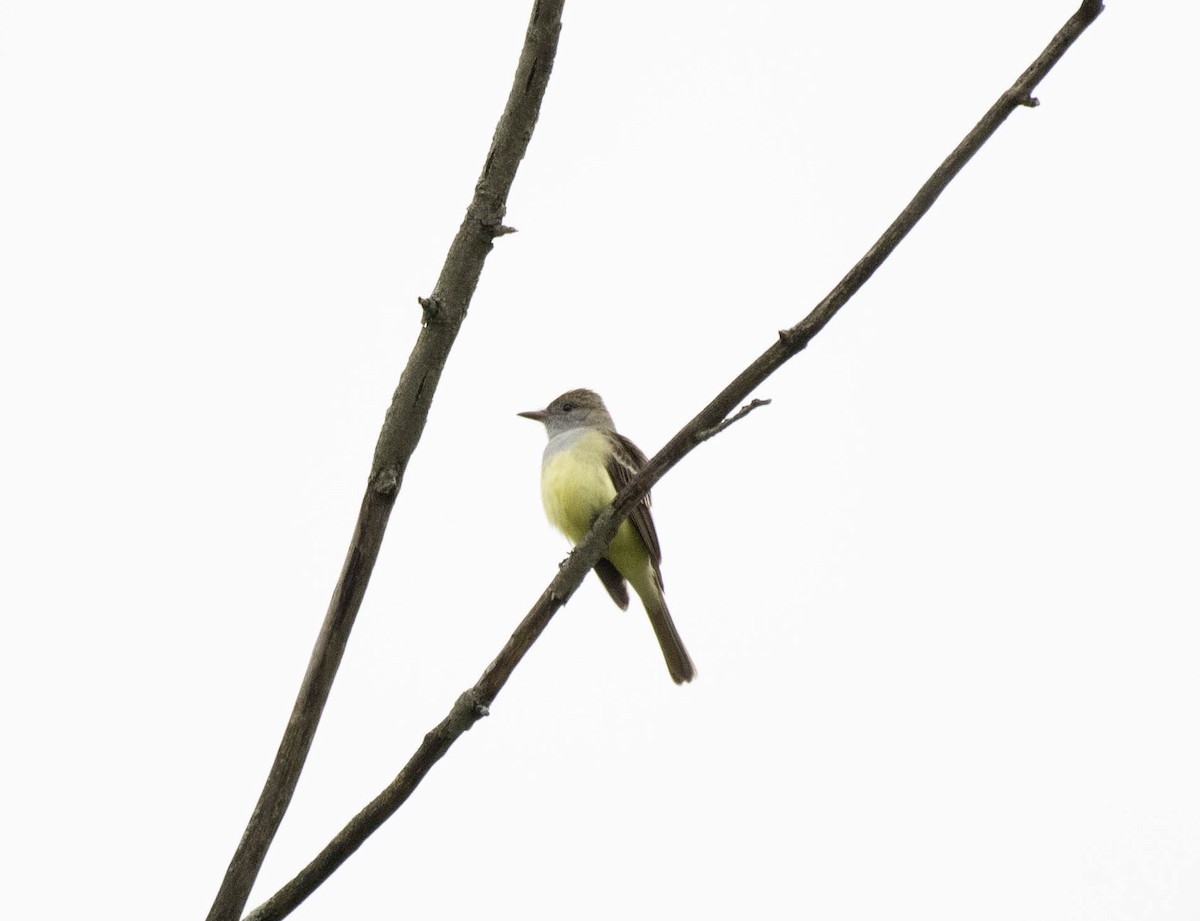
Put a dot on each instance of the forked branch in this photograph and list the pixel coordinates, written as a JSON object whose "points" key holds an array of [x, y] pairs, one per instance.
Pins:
{"points": [[474, 703]]}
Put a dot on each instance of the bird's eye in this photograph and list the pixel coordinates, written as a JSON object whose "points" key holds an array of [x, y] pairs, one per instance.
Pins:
{"points": [[567, 407]]}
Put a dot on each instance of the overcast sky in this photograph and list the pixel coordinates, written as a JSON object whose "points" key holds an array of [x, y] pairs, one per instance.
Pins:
{"points": [[942, 594]]}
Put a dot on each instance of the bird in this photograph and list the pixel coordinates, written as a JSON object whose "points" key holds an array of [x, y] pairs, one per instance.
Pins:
{"points": [[584, 464]]}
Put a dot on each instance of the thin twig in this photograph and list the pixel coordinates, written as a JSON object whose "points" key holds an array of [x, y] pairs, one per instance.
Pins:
{"points": [[474, 703], [443, 315], [706, 434]]}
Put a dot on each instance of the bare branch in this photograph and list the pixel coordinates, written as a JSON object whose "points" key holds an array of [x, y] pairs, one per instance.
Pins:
{"points": [[474, 703], [443, 315]]}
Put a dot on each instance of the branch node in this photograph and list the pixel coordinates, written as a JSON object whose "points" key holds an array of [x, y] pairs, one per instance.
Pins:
{"points": [[706, 434], [465, 713], [501, 230], [431, 309], [1022, 97], [387, 481]]}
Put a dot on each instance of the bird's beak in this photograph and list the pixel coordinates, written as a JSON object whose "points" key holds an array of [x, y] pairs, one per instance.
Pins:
{"points": [[537, 415]]}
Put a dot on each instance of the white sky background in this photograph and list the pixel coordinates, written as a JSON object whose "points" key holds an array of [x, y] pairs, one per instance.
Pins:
{"points": [[942, 593]]}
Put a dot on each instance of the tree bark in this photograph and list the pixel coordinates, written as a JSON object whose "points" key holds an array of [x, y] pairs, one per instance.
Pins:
{"points": [[444, 312]]}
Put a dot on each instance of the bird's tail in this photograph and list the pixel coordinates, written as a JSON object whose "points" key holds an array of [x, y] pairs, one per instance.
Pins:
{"points": [[679, 663]]}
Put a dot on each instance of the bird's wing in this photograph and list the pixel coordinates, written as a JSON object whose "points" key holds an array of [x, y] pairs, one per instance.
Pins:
{"points": [[626, 460], [614, 582]]}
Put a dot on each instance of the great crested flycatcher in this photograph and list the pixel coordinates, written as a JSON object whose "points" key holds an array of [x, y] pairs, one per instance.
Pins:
{"points": [[583, 466]]}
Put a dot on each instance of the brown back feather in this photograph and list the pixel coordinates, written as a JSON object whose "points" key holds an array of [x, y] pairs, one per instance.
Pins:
{"points": [[626, 460]]}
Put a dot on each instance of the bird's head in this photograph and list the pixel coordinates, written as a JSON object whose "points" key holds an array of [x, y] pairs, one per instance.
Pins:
{"points": [[574, 409]]}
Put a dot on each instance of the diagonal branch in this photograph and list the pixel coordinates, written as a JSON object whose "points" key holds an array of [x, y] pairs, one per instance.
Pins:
{"points": [[474, 703], [444, 313]]}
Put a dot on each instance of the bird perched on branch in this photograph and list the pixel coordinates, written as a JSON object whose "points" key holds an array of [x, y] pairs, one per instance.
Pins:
{"points": [[584, 465]]}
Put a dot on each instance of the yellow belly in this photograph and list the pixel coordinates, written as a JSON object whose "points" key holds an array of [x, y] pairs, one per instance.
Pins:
{"points": [[576, 488], [575, 484]]}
